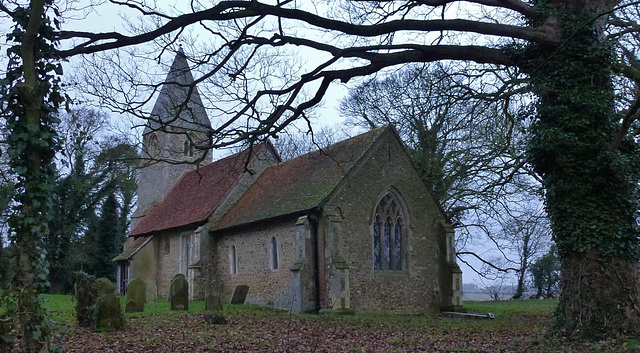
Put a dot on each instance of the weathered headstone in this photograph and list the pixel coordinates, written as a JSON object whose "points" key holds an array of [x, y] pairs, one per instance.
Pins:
{"points": [[132, 307], [213, 296], [97, 306], [240, 294], [86, 297], [110, 316], [105, 286], [137, 293], [179, 275], [179, 293]]}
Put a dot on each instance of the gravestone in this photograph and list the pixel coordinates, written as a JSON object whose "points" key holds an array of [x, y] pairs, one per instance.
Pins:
{"points": [[132, 307], [104, 286], [179, 293], [86, 296], [240, 294], [110, 316], [137, 293], [213, 296], [173, 279]]}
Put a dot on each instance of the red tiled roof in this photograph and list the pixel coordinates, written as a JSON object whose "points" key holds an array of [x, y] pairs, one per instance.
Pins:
{"points": [[196, 195], [299, 184]]}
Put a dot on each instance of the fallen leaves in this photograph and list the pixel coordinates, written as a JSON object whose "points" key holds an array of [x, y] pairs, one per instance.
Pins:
{"points": [[188, 332]]}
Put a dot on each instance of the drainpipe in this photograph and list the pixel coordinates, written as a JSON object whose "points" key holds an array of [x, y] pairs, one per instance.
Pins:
{"points": [[317, 263]]}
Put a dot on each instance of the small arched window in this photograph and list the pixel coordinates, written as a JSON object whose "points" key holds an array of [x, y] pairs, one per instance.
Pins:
{"points": [[388, 233], [233, 260], [274, 254], [152, 147], [188, 148]]}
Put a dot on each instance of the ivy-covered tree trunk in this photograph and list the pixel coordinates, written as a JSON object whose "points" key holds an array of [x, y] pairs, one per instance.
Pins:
{"points": [[31, 95], [591, 186]]}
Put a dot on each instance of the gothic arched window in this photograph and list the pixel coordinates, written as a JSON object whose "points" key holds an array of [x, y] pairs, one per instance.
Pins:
{"points": [[388, 233]]}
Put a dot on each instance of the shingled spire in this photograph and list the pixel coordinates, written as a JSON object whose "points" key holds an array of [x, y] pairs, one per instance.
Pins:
{"points": [[179, 104]]}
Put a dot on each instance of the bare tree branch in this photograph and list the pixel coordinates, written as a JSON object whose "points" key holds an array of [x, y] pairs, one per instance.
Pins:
{"points": [[229, 10]]}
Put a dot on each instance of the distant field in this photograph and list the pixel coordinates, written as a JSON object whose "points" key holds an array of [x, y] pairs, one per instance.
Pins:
{"points": [[519, 326]]}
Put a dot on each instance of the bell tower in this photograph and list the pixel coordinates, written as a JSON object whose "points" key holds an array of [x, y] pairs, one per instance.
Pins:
{"points": [[173, 137]]}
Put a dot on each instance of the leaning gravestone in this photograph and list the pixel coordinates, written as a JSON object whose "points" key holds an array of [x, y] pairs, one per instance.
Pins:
{"points": [[110, 316], [179, 293], [240, 294], [136, 296], [213, 296]]}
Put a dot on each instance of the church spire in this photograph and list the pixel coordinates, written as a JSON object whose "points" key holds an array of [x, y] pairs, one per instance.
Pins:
{"points": [[173, 138], [179, 104]]}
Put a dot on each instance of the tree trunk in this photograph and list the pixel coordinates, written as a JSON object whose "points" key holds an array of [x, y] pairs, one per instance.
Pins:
{"points": [[31, 150], [590, 191], [524, 262], [520, 286]]}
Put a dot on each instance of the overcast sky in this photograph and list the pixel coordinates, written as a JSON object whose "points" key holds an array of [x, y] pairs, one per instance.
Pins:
{"points": [[108, 17]]}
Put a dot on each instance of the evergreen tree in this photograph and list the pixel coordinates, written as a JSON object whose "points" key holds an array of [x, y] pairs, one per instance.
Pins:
{"points": [[109, 239], [73, 202], [91, 164], [546, 274]]}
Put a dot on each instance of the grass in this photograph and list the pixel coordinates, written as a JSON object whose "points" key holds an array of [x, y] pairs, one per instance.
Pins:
{"points": [[519, 327], [62, 309], [511, 307]]}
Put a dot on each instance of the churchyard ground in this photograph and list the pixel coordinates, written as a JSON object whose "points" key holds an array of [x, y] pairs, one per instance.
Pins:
{"points": [[519, 327]]}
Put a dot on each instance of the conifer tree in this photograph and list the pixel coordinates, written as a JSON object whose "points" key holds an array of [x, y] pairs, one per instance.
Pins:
{"points": [[109, 239]]}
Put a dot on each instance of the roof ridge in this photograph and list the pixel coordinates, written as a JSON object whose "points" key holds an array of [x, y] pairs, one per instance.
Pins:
{"points": [[300, 183], [379, 131], [255, 148], [335, 144]]}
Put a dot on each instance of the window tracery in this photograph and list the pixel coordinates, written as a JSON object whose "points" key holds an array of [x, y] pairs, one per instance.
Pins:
{"points": [[388, 233]]}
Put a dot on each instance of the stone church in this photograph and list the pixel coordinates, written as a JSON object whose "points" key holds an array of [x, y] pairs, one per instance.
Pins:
{"points": [[351, 226]]}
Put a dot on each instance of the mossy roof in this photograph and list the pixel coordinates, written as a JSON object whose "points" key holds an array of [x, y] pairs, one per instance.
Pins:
{"points": [[299, 184], [196, 195], [133, 249]]}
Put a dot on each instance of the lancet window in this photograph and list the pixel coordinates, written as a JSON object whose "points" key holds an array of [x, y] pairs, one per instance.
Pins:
{"points": [[233, 260], [274, 254]]}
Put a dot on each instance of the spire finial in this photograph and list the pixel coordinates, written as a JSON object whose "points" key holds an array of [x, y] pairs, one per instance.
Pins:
{"points": [[180, 49]]}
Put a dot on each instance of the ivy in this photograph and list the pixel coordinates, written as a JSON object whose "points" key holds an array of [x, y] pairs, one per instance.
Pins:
{"points": [[591, 188], [591, 191], [31, 146]]}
